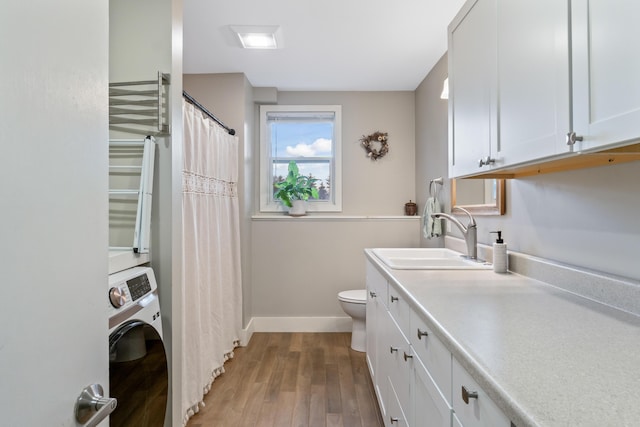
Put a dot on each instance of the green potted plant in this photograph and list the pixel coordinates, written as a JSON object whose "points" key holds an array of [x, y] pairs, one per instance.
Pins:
{"points": [[295, 190]]}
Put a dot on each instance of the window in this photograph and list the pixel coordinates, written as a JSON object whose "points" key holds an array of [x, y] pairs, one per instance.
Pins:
{"points": [[309, 135]]}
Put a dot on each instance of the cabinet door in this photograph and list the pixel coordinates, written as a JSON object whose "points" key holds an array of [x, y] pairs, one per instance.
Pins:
{"points": [[533, 85], [396, 416], [606, 70], [376, 341], [371, 319], [399, 363], [372, 331], [430, 406], [472, 91]]}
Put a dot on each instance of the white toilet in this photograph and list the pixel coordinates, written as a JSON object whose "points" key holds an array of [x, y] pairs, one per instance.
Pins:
{"points": [[354, 303]]}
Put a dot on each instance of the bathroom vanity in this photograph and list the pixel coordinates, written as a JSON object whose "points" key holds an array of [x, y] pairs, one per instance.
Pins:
{"points": [[475, 348]]}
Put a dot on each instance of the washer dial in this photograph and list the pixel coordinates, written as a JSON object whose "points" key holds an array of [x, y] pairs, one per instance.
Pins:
{"points": [[117, 297]]}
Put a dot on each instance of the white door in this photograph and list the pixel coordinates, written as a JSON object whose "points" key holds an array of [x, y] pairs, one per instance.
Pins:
{"points": [[53, 208]]}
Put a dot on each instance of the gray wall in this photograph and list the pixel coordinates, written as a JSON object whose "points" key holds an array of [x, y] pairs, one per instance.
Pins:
{"points": [[586, 218], [431, 131], [299, 266], [379, 187]]}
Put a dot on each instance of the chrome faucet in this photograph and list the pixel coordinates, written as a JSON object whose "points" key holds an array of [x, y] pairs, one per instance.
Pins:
{"points": [[470, 232]]}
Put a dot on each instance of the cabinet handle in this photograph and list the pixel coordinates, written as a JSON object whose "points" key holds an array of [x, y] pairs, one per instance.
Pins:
{"points": [[373, 294], [392, 349], [466, 395], [486, 161], [407, 356], [572, 138], [393, 420], [422, 334], [394, 298]]}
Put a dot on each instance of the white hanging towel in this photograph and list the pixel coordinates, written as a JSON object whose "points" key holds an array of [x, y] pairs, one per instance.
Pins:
{"points": [[431, 227]]}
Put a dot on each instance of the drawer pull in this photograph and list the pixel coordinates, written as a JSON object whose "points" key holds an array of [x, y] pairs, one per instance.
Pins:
{"points": [[372, 294], [392, 349], [466, 395], [394, 298], [407, 356], [393, 420], [422, 334]]}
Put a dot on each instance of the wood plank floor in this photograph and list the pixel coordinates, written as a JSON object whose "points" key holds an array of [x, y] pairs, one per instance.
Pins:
{"points": [[292, 380]]}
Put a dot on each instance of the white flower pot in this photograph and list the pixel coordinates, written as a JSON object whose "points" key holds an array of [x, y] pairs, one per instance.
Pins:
{"points": [[299, 208]]}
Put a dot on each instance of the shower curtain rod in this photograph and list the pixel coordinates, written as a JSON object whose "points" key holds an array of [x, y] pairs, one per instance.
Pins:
{"points": [[192, 100]]}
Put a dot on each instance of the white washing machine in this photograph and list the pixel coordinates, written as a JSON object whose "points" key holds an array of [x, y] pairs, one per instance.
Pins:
{"points": [[138, 374]]}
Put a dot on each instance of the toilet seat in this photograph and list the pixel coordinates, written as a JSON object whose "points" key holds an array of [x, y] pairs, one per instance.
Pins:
{"points": [[355, 296]]}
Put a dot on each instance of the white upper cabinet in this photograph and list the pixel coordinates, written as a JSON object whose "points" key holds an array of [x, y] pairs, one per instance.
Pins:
{"points": [[526, 73], [533, 80], [606, 72], [509, 75], [472, 90]]}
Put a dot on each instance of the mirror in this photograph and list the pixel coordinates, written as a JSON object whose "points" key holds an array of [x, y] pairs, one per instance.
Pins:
{"points": [[479, 196]]}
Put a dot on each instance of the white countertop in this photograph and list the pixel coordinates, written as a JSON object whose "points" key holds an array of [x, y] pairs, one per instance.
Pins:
{"points": [[546, 357]]}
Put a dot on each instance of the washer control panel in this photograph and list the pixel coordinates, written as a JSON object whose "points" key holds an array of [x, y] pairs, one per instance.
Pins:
{"points": [[129, 286], [139, 286]]}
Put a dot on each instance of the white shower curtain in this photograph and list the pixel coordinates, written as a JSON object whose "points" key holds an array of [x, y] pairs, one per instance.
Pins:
{"points": [[211, 255]]}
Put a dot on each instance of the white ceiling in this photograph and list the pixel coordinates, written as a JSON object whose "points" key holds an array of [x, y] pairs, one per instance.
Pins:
{"points": [[354, 45]]}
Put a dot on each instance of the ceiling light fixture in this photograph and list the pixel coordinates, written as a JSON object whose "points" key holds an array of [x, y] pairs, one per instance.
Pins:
{"points": [[258, 37]]}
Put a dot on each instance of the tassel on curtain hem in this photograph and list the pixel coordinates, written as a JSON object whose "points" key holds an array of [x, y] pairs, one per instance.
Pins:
{"points": [[215, 374]]}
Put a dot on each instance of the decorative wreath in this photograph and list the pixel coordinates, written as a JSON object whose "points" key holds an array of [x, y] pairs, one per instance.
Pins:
{"points": [[376, 145]]}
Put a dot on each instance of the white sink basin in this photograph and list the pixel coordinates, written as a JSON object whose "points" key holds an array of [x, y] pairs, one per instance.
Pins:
{"points": [[427, 259]]}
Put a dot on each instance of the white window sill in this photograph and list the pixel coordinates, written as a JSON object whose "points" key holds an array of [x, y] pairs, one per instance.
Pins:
{"points": [[315, 216]]}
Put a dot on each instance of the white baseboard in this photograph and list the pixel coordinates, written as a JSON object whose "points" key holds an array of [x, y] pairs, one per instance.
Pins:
{"points": [[301, 324], [294, 324]]}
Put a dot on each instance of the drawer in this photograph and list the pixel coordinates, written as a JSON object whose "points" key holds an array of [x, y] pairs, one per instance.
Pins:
{"points": [[433, 354], [478, 410], [399, 309], [376, 284]]}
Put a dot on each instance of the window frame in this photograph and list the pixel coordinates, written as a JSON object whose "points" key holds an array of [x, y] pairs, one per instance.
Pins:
{"points": [[265, 185]]}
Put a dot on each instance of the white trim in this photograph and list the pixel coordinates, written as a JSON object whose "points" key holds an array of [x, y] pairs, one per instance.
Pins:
{"points": [[246, 334], [329, 217], [300, 324], [265, 167]]}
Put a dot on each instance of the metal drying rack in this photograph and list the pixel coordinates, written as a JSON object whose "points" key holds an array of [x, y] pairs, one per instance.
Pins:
{"points": [[140, 107]]}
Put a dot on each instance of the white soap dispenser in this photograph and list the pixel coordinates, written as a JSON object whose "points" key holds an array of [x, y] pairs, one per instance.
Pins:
{"points": [[500, 258]]}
